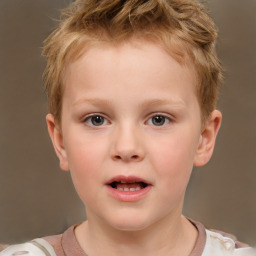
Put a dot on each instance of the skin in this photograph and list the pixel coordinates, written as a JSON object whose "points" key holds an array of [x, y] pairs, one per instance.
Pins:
{"points": [[127, 86]]}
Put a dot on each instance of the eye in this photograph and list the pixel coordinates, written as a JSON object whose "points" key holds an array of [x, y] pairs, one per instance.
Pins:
{"points": [[159, 120], [96, 120]]}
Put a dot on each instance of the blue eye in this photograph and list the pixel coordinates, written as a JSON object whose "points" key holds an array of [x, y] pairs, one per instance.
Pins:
{"points": [[159, 120], [96, 120]]}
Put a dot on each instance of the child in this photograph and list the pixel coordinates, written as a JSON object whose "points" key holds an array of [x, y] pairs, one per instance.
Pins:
{"points": [[132, 89]]}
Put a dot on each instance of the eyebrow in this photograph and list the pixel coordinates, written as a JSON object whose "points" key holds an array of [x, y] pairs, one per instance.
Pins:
{"points": [[147, 103], [160, 102], [93, 101]]}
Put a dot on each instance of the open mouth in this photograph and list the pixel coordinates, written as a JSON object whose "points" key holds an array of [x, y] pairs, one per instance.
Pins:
{"points": [[128, 186]]}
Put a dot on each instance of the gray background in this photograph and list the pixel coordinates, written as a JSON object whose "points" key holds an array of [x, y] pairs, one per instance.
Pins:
{"points": [[37, 199]]}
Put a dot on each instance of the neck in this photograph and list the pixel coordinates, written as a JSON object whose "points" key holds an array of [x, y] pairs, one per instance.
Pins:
{"points": [[168, 237]]}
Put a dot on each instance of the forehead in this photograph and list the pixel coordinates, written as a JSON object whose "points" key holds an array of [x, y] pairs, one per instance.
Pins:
{"points": [[128, 74], [100, 56]]}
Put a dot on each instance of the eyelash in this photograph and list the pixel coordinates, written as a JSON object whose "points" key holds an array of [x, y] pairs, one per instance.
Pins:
{"points": [[89, 120]]}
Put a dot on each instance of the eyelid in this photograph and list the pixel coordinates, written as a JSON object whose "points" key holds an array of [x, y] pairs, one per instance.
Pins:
{"points": [[168, 116]]}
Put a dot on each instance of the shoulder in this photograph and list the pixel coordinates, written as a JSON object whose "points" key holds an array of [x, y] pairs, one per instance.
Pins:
{"points": [[219, 243], [38, 247], [46, 246]]}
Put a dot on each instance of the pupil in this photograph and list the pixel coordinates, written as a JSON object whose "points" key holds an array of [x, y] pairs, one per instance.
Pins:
{"points": [[97, 120], [158, 120]]}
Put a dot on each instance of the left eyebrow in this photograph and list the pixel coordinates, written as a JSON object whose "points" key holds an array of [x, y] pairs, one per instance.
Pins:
{"points": [[177, 103]]}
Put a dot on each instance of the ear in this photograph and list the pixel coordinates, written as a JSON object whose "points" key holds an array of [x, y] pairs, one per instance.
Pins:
{"points": [[208, 138], [57, 141]]}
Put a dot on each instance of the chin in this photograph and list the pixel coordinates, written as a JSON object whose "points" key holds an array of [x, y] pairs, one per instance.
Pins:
{"points": [[130, 223], [129, 228]]}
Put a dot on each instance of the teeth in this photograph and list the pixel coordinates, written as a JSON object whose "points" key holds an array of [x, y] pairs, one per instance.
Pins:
{"points": [[128, 189], [130, 186]]}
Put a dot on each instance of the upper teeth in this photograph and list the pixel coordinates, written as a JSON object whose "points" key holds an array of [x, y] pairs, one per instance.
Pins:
{"points": [[128, 189]]}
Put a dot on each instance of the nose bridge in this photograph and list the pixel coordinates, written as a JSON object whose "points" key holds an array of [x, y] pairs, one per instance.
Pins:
{"points": [[127, 145]]}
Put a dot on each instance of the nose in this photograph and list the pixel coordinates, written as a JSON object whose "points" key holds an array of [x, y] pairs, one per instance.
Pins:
{"points": [[127, 145]]}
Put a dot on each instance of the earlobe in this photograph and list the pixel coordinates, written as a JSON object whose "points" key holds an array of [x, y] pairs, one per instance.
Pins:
{"points": [[208, 138], [57, 141]]}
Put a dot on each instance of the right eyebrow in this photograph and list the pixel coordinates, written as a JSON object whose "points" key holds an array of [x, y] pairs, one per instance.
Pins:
{"points": [[92, 101]]}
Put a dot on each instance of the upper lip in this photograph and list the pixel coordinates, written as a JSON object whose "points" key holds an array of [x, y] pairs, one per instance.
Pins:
{"points": [[127, 179]]}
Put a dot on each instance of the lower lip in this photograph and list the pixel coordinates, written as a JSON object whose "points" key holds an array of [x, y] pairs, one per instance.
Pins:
{"points": [[128, 196]]}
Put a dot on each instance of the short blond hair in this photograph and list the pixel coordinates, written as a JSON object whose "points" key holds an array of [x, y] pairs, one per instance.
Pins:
{"points": [[183, 27]]}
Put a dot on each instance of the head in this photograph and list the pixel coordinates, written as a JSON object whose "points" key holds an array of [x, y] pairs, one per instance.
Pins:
{"points": [[132, 88], [182, 27]]}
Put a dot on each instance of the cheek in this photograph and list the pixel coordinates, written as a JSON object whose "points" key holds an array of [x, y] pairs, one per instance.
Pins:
{"points": [[84, 170], [84, 152], [173, 158], [85, 157], [82, 159], [173, 171]]}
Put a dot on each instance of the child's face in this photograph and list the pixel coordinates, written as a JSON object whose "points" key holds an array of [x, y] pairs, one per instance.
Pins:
{"points": [[131, 132]]}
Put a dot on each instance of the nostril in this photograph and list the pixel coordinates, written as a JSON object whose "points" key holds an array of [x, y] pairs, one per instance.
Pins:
{"points": [[126, 157]]}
